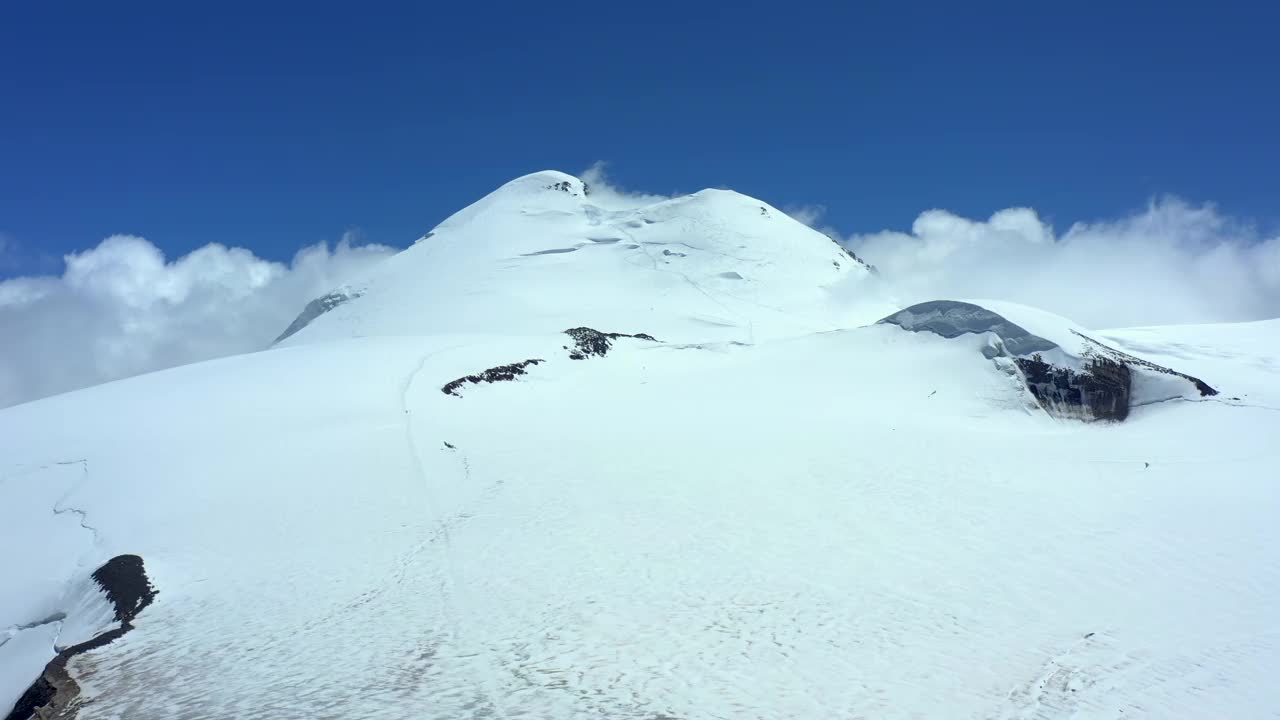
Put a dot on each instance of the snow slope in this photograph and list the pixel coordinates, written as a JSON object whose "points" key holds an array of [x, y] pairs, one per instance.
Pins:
{"points": [[1245, 356], [771, 510]]}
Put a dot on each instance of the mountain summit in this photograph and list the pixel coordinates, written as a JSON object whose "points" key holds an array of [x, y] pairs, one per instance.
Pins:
{"points": [[543, 250], [576, 456]]}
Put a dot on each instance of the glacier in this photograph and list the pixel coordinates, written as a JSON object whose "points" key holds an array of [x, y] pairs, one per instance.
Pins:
{"points": [[737, 495]]}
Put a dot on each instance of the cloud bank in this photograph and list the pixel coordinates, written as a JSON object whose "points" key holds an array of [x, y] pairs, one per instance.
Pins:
{"points": [[121, 309], [1171, 263]]}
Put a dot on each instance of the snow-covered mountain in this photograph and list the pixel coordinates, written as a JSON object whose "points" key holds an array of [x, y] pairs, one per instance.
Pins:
{"points": [[538, 253], [567, 457]]}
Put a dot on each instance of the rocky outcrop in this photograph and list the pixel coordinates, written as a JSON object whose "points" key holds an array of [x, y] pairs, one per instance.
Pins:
{"points": [[55, 693], [501, 373], [1101, 391], [853, 256], [850, 254], [565, 186], [588, 342], [1090, 381], [1097, 349], [316, 308], [950, 318]]}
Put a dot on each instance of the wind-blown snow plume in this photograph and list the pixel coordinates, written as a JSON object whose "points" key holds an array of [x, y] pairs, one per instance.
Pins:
{"points": [[1169, 264], [121, 309], [606, 194]]}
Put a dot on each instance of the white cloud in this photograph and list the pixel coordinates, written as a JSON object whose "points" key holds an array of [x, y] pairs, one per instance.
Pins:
{"points": [[1170, 263], [121, 309]]}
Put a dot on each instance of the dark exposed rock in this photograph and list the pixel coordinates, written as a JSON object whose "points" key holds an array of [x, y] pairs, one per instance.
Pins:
{"points": [[124, 581], [1098, 349], [562, 186], [588, 342], [37, 697], [501, 373], [859, 260], [1100, 388], [1100, 391], [853, 256], [316, 308]]}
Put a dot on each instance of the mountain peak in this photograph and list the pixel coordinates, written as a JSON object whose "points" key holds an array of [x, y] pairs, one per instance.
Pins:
{"points": [[544, 180], [541, 253]]}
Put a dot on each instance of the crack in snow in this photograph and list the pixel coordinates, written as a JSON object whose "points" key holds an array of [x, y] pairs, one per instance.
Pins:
{"points": [[709, 251], [1220, 401], [12, 631], [22, 470], [751, 333], [1238, 404], [61, 507], [642, 245]]}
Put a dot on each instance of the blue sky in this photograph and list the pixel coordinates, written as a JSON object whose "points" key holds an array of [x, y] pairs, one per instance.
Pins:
{"points": [[274, 125]]}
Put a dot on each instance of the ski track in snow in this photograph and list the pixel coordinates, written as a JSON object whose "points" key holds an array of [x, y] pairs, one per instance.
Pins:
{"points": [[455, 596], [1047, 693]]}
